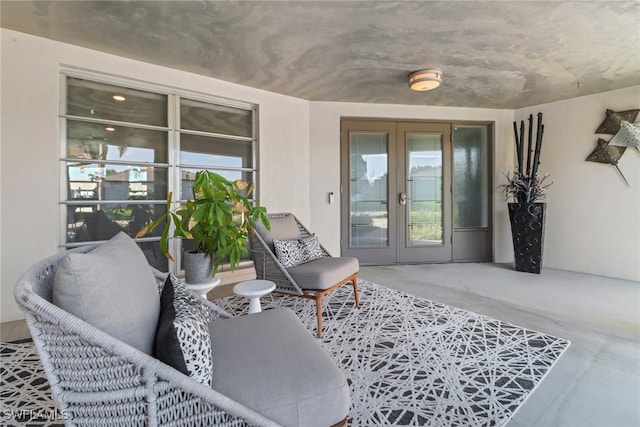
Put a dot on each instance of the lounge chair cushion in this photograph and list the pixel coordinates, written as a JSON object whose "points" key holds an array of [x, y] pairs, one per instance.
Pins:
{"points": [[271, 363], [182, 338], [113, 289], [282, 228], [323, 273]]}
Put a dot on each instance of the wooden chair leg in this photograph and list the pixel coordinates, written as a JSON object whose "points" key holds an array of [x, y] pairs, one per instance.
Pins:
{"points": [[319, 314], [343, 423], [355, 291]]}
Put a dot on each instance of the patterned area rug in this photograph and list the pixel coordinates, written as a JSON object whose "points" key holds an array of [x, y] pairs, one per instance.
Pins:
{"points": [[415, 362], [24, 391], [409, 361]]}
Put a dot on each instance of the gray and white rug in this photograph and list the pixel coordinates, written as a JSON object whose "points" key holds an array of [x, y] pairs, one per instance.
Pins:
{"points": [[415, 362], [409, 361]]}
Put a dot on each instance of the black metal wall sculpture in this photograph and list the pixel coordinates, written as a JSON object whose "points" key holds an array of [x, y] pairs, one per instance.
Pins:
{"points": [[626, 134]]}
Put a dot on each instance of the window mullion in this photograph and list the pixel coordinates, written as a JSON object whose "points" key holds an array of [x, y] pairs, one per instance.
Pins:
{"points": [[174, 173], [115, 122]]}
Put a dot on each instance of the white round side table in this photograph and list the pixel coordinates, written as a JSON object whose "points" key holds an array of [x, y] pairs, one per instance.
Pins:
{"points": [[203, 289], [253, 290]]}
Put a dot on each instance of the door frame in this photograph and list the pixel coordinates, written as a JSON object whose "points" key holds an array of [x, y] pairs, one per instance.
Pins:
{"points": [[457, 237], [374, 255]]}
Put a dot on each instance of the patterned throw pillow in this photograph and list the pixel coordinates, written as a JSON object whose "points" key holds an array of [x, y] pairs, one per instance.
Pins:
{"points": [[182, 337], [312, 247], [290, 252], [295, 252]]}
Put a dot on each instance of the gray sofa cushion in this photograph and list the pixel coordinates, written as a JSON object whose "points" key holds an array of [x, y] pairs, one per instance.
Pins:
{"points": [[282, 228], [271, 363], [112, 288], [323, 273]]}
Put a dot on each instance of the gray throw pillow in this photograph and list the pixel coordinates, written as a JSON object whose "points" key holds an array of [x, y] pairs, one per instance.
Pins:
{"points": [[113, 288]]}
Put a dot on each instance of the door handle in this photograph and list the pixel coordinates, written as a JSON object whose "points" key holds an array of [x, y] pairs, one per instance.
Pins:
{"points": [[402, 199]]}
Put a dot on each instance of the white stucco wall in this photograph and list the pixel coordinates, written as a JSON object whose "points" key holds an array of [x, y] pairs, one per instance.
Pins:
{"points": [[325, 161], [29, 143], [593, 218]]}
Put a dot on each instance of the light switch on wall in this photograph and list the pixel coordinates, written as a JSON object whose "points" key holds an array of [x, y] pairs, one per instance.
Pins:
{"points": [[331, 197]]}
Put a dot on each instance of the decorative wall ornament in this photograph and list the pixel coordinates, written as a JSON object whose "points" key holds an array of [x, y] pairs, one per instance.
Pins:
{"points": [[626, 134], [608, 154], [611, 123]]}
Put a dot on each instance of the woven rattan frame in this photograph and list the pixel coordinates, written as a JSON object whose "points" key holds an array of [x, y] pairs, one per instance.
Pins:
{"points": [[269, 268], [98, 380]]}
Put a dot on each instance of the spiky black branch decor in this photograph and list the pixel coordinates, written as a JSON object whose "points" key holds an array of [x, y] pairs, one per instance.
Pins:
{"points": [[526, 185]]}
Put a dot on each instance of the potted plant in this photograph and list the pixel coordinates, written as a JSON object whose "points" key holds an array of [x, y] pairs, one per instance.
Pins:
{"points": [[218, 219], [527, 189]]}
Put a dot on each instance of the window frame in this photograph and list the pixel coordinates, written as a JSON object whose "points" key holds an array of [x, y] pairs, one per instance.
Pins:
{"points": [[173, 130]]}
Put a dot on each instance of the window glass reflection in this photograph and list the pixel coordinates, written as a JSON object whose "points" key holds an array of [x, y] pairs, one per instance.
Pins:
{"points": [[215, 152], [106, 142], [96, 181], [97, 222], [104, 101], [424, 153], [205, 117], [189, 177], [368, 189]]}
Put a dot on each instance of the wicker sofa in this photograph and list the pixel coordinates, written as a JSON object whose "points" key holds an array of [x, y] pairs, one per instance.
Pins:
{"points": [[267, 368]]}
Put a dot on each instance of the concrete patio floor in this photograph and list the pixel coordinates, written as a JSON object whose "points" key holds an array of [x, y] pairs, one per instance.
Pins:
{"points": [[596, 382]]}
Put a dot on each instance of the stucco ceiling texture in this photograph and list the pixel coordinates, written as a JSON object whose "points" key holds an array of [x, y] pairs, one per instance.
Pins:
{"points": [[502, 54]]}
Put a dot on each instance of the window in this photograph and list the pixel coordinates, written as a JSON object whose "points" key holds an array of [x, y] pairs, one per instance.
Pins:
{"points": [[124, 148]]}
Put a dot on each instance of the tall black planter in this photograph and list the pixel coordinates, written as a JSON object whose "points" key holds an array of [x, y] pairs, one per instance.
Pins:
{"points": [[527, 231]]}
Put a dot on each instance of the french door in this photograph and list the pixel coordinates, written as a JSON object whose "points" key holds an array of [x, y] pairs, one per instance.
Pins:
{"points": [[397, 191], [415, 191]]}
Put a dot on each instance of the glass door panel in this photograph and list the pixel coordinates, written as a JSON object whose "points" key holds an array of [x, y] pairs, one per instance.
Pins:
{"points": [[369, 176], [472, 236], [368, 221], [424, 182], [470, 177]]}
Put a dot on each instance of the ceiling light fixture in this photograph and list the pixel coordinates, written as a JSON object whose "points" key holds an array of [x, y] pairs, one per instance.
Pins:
{"points": [[110, 129], [423, 80], [119, 98]]}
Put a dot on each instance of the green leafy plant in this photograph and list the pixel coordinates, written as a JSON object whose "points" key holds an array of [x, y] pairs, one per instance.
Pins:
{"points": [[218, 219]]}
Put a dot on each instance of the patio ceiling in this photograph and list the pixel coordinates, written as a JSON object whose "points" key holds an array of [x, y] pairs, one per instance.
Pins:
{"points": [[502, 54]]}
